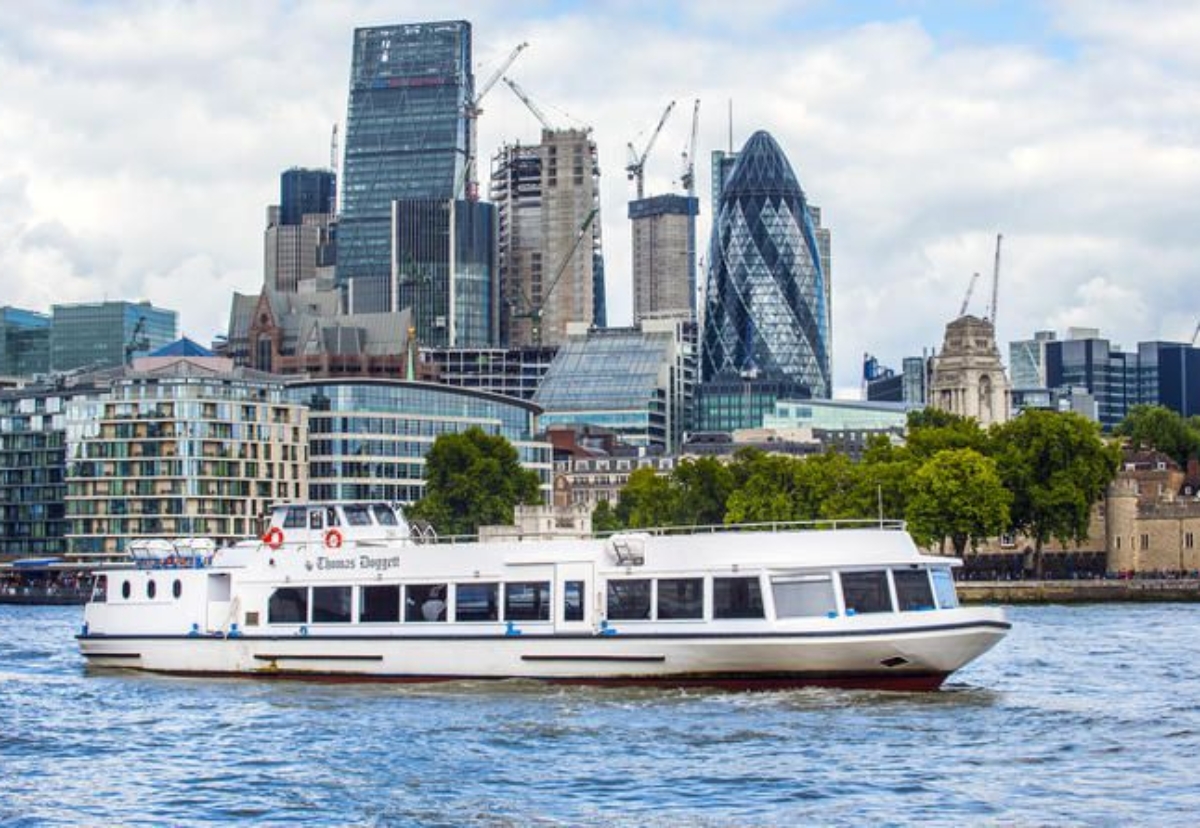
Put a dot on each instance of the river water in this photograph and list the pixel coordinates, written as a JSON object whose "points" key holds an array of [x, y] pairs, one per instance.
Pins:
{"points": [[1082, 716]]}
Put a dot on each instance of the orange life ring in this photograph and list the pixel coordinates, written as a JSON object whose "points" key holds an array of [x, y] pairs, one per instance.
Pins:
{"points": [[274, 537], [333, 539]]}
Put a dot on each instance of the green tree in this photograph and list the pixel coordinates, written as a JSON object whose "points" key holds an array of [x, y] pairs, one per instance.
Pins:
{"points": [[765, 484], [646, 500], [957, 494], [1158, 427], [605, 519], [1056, 466], [701, 488], [473, 479], [931, 431]]}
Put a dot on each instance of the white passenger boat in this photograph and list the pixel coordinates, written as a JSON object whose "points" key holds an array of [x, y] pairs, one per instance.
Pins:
{"points": [[351, 592]]}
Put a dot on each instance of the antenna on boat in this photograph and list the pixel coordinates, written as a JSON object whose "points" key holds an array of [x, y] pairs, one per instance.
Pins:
{"points": [[879, 498]]}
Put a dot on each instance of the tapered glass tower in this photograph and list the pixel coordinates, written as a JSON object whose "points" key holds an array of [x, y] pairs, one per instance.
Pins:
{"points": [[767, 309]]}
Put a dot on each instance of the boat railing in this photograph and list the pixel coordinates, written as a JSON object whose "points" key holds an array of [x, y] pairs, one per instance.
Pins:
{"points": [[771, 526]]}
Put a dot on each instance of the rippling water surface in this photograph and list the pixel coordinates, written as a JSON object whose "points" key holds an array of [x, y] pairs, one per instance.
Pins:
{"points": [[1083, 715]]}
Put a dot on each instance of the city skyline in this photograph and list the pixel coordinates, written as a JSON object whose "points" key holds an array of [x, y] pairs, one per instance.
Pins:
{"points": [[142, 142]]}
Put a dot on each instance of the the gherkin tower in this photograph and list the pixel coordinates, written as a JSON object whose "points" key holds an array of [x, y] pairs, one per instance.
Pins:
{"points": [[767, 308]]}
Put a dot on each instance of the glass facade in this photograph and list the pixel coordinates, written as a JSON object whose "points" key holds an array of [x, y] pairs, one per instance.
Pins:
{"points": [[24, 342], [767, 300], [732, 403], [305, 192], [91, 336], [639, 383], [1169, 375], [368, 438], [1107, 374], [406, 138], [444, 270]]}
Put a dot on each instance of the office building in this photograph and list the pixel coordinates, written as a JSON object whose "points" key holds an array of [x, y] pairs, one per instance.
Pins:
{"points": [[664, 256], [407, 137], [730, 402], [180, 446], [967, 377], [24, 342], [767, 303], [1169, 375], [513, 372], [90, 336], [369, 438], [1084, 361], [885, 385], [444, 272], [1027, 360], [549, 257], [305, 192], [637, 382], [300, 247]]}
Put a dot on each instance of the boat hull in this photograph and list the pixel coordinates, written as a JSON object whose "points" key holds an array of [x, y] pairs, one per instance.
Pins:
{"points": [[919, 657]]}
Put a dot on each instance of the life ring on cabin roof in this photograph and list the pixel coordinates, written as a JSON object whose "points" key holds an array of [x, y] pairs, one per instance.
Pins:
{"points": [[333, 539], [274, 537]]}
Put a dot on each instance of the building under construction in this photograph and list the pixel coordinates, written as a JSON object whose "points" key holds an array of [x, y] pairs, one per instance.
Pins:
{"points": [[549, 258]]}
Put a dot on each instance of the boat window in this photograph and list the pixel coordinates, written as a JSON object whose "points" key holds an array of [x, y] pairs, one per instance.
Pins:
{"points": [[737, 598], [384, 515], [943, 586], [126, 590], [527, 601], [379, 603], [629, 599], [177, 588], [288, 605], [425, 602], [295, 518], [331, 605], [331, 517], [803, 596], [913, 592], [573, 600], [680, 598], [316, 519], [356, 515], [866, 592], [100, 590], [151, 588], [477, 602]]}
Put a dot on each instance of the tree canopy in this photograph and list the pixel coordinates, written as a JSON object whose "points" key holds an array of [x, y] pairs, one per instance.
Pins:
{"points": [[1158, 427], [957, 494], [473, 479]]}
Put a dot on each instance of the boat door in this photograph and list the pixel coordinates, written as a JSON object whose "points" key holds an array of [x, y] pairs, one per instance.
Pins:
{"points": [[575, 601]]}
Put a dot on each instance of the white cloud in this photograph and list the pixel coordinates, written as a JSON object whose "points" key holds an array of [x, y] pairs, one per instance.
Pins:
{"points": [[141, 143]]}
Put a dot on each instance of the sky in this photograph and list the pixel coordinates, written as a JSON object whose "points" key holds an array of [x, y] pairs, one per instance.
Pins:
{"points": [[141, 143]]}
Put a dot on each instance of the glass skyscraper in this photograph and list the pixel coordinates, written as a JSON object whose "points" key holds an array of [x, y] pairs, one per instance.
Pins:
{"points": [[406, 138], [305, 192], [88, 336], [767, 306]]}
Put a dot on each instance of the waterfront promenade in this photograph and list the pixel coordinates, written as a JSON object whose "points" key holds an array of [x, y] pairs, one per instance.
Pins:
{"points": [[1089, 591]]}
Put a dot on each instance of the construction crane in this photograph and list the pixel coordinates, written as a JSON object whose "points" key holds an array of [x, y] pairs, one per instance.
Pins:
{"points": [[333, 150], [138, 341], [533, 311], [1195, 334], [537, 113], [688, 177], [967, 299], [472, 113], [995, 280], [636, 167]]}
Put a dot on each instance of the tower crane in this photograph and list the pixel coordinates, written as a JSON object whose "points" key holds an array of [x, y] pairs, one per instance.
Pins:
{"points": [[967, 299], [537, 112], [636, 167], [138, 341], [995, 280], [1195, 334], [472, 111], [688, 177], [533, 311]]}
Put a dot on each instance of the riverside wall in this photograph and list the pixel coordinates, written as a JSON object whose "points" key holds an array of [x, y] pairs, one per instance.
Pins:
{"points": [[1078, 592]]}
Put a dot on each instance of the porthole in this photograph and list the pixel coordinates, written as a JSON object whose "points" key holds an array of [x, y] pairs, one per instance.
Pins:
{"points": [[150, 589], [126, 590], [177, 588]]}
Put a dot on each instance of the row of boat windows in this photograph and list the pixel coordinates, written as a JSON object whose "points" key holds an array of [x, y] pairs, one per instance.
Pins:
{"points": [[628, 599], [356, 514]]}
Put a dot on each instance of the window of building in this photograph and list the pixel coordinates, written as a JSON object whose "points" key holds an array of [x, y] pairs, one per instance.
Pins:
{"points": [[527, 601], [425, 602], [680, 598], [803, 596], [288, 605], [331, 605], [1187, 540], [477, 602], [629, 599], [866, 592], [1145, 541], [379, 604], [943, 587], [913, 592], [737, 598]]}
